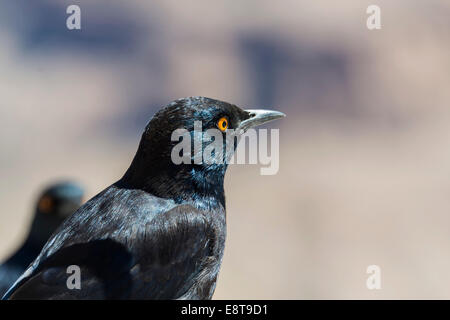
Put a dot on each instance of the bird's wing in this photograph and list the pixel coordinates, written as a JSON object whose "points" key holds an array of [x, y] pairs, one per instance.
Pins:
{"points": [[163, 259], [8, 275]]}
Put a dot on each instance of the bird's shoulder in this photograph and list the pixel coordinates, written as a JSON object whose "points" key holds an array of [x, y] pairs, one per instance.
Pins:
{"points": [[108, 215], [132, 215]]}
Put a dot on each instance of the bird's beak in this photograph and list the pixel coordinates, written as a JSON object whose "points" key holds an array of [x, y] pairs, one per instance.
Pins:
{"points": [[258, 117]]}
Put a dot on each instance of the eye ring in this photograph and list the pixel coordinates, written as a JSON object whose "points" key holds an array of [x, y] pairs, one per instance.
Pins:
{"points": [[222, 124]]}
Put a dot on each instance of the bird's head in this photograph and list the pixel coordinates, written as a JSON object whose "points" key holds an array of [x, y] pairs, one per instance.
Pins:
{"points": [[54, 205], [173, 157]]}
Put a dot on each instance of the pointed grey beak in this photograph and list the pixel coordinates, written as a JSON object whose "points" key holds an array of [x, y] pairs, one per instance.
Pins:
{"points": [[258, 117]]}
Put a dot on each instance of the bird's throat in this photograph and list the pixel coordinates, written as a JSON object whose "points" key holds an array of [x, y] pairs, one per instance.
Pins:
{"points": [[197, 184]]}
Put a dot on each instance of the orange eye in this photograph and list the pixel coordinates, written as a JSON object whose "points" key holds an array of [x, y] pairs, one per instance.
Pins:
{"points": [[222, 124], [45, 204]]}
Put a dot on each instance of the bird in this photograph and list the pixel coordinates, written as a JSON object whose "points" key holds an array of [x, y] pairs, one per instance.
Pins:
{"points": [[156, 233], [55, 203]]}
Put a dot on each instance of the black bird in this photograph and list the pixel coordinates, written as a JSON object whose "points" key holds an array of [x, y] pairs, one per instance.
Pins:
{"points": [[55, 204], [158, 232]]}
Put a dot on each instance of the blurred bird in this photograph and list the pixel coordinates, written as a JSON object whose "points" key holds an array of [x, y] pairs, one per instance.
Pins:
{"points": [[158, 232], [55, 204]]}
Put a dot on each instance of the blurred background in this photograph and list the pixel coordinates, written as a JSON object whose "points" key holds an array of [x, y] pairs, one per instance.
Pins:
{"points": [[364, 172]]}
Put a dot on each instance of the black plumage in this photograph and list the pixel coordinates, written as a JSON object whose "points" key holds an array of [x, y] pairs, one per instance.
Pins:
{"points": [[55, 204], [157, 233]]}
